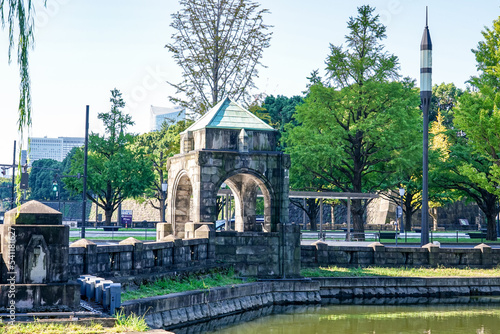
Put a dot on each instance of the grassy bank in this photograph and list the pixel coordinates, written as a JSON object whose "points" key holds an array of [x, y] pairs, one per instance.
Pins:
{"points": [[187, 283], [399, 272], [123, 325]]}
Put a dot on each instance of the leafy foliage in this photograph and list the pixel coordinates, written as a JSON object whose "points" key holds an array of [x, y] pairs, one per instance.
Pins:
{"points": [[218, 44], [356, 135], [43, 173], [115, 172]]}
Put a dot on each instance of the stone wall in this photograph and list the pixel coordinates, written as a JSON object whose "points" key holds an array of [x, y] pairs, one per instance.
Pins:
{"points": [[320, 254], [138, 258], [172, 310], [180, 309], [393, 287], [261, 253]]}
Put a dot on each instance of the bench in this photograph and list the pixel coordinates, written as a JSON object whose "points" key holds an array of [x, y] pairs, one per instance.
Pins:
{"points": [[476, 235], [110, 228], [387, 235]]}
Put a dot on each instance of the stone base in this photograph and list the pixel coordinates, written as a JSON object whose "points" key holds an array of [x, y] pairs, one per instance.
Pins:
{"points": [[40, 297], [190, 229], [163, 230]]}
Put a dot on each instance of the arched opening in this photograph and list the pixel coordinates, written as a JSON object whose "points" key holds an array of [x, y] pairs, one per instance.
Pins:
{"points": [[251, 204], [183, 204]]}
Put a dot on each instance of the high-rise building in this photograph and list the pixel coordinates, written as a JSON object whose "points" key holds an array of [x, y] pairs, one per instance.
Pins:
{"points": [[169, 115], [53, 148]]}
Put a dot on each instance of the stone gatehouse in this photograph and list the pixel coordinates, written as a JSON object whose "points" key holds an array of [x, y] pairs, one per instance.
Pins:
{"points": [[227, 147]]}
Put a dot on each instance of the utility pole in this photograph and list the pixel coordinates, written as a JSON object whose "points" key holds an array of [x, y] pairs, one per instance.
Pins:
{"points": [[84, 194], [425, 96]]}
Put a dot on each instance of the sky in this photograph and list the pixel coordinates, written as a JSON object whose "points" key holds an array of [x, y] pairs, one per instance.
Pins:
{"points": [[84, 49]]}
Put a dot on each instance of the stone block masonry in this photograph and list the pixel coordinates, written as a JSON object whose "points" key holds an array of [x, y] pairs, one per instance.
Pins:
{"points": [[181, 309], [321, 254], [133, 257]]}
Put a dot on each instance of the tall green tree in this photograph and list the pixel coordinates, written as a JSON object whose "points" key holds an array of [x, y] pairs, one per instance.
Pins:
{"points": [[358, 133], [43, 174], [478, 116], [158, 146], [219, 45], [115, 171]]}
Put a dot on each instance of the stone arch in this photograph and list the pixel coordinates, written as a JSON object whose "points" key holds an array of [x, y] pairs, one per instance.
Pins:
{"points": [[181, 202], [244, 184]]}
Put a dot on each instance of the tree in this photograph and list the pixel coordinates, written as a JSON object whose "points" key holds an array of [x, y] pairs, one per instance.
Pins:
{"points": [[20, 19], [469, 174], [358, 133], [115, 172], [158, 146], [43, 174], [478, 116], [444, 99], [218, 44]]}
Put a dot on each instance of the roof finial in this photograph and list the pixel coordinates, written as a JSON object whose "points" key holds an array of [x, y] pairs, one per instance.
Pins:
{"points": [[426, 17]]}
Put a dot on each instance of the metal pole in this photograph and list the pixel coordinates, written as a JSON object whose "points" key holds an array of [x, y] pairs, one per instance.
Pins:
{"points": [[348, 219], [84, 193], [402, 214], [425, 96], [321, 219], [226, 208], [13, 176], [304, 213]]}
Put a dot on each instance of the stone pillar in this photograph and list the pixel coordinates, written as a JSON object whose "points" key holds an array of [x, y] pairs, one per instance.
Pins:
{"points": [[321, 252], [35, 252], [433, 252], [163, 230], [291, 249], [378, 253], [486, 259], [90, 255], [137, 254]]}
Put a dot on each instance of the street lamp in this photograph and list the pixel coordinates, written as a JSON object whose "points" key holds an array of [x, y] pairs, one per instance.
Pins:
{"points": [[402, 193], [425, 96], [164, 188]]}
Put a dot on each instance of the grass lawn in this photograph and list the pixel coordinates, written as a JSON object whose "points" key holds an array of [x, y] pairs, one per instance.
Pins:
{"points": [[399, 272], [123, 325], [165, 286]]}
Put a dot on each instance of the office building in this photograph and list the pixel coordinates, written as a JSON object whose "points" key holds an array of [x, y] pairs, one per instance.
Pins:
{"points": [[52, 148]]}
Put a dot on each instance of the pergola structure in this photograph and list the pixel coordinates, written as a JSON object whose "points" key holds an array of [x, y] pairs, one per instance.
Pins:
{"points": [[321, 195]]}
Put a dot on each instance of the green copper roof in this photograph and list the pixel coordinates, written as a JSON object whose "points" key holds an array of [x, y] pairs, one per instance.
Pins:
{"points": [[229, 115]]}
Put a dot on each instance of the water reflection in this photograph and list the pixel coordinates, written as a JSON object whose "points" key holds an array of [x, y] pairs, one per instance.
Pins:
{"points": [[470, 315]]}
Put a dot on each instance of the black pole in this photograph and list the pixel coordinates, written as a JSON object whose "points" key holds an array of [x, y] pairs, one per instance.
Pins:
{"points": [[84, 193], [425, 96], [13, 176]]}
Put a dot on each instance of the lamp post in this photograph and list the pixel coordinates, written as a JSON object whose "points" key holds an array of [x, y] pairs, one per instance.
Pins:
{"points": [[164, 188], [402, 193], [425, 96]]}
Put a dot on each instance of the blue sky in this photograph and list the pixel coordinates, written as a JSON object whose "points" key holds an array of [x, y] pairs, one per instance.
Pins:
{"points": [[86, 48]]}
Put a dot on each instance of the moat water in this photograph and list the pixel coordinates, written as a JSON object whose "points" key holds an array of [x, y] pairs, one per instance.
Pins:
{"points": [[462, 315]]}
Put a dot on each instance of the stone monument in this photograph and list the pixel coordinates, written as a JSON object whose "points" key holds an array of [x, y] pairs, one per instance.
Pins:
{"points": [[34, 266]]}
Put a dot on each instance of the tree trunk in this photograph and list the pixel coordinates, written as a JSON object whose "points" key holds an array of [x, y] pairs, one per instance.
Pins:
{"points": [[491, 232], [433, 214], [407, 203], [108, 213], [357, 219], [312, 213]]}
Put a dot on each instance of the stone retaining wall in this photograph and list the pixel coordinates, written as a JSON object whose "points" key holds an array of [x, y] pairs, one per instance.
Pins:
{"points": [[379, 287], [320, 254], [181, 309], [170, 311]]}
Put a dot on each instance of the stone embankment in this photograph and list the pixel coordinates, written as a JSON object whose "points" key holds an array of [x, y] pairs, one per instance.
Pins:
{"points": [[180, 309]]}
